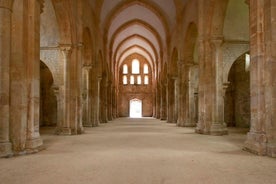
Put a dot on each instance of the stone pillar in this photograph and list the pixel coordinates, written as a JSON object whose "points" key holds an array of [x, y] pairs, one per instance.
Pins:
{"points": [[261, 138], [109, 101], [86, 97], [97, 102], [201, 127], [256, 138], [64, 127], [181, 95], [218, 126], [114, 110], [190, 102], [33, 74], [103, 101], [271, 76], [196, 105], [171, 99], [157, 102], [163, 110], [5, 52]]}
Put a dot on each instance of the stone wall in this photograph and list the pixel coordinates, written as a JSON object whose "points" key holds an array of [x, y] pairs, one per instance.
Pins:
{"points": [[136, 91]]}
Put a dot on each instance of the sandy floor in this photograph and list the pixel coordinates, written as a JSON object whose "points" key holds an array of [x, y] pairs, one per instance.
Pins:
{"points": [[139, 151]]}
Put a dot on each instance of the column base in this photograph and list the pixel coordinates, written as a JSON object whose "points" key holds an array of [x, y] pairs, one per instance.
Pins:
{"points": [[218, 129], [201, 131], [88, 125], [271, 149], [34, 145], [256, 143], [80, 130], [63, 131], [189, 124], [5, 149], [180, 124]]}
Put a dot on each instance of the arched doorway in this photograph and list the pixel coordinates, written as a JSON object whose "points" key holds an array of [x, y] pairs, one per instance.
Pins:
{"points": [[135, 108], [48, 101], [237, 96]]}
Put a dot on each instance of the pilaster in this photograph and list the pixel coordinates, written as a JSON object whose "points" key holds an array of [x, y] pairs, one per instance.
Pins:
{"points": [[86, 96], [218, 127], [34, 140], [171, 99], [64, 127], [5, 44], [163, 104]]}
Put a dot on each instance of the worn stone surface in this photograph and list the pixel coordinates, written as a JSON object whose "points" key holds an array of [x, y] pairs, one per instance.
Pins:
{"points": [[140, 151], [190, 47]]}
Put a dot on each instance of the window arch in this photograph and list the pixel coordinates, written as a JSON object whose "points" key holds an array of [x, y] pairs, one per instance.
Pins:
{"points": [[135, 66], [146, 80], [125, 80], [125, 69], [132, 79], [139, 79], [146, 69]]}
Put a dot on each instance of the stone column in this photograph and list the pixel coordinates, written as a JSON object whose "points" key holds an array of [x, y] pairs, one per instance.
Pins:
{"points": [[163, 110], [5, 52], [218, 127], [103, 101], [190, 102], [182, 93], [157, 102], [86, 97], [201, 127], [64, 127], [256, 138], [109, 101], [33, 74], [171, 99], [97, 102], [271, 77], [114, 110], [196, 105], [261, 138]]}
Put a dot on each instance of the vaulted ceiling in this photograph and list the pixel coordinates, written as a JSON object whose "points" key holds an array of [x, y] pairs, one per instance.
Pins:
{"points": [[137, 26]]}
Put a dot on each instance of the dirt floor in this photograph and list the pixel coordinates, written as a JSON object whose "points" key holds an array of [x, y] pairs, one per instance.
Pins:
{"points": [[139, 151]]}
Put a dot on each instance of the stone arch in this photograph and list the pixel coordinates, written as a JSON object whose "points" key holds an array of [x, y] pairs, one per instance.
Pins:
{"points": [[188, 76], [237, 95], [125, 4], [65, 20], [48, 100], [173, 71], [87, 47], [86, 85], [190, 41]]}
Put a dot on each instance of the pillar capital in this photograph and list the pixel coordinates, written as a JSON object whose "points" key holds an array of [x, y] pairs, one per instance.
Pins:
{"points": [[6, 4], [87, 67], [66, 49], [217, 41], [41, 2]]}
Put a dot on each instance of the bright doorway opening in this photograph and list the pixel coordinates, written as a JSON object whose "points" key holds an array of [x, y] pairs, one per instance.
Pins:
{"points": [[135, 110]]}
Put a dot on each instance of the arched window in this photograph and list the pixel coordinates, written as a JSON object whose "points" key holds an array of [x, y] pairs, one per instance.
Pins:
{"points": [[146, 80], [247, 62], [125, 80], [135, 66], [132, 79], [139, 80], [125, 69], [146, 69]]}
